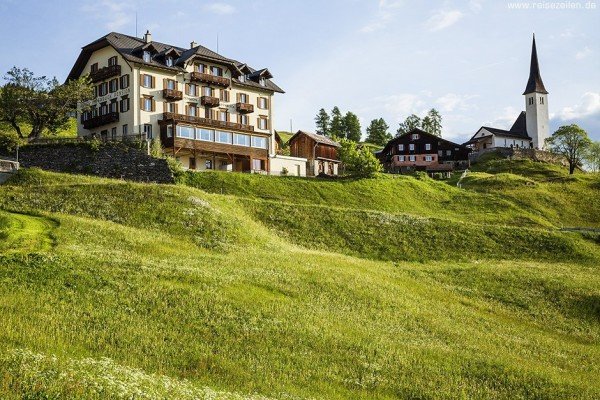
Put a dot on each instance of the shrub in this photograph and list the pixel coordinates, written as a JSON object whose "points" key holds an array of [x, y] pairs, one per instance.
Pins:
{"points": [[358, 162]]}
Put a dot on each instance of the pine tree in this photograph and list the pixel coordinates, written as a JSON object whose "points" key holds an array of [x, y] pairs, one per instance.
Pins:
{"points": [[352, 127], [337, 128], [377, 132], [322, 122], [434, 122]]}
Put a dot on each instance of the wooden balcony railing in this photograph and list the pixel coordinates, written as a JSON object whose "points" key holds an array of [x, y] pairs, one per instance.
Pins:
{"points": [[210, 79], [207, 122], [209, 101], [105, 73], [244, 108], [172, 95], [101, 120]]}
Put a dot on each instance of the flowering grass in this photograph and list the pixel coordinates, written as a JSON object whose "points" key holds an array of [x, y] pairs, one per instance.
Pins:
{"points": [[144, 287]]}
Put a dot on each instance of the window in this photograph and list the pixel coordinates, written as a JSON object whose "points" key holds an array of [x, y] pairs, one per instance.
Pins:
{"points": [[94, 67], [205, 134], [103, 109], [241, 140], [400, 147], [415, 136], [216, 71], [147, 81], [262, 123], [427, 146], [200, 68], [243, 98], [124, 81], [401, 158], [169, 131], [192, 110], [113, 133], [223, 116], [192, 89], [428, 158], [411, 147], [169, 61], [243, 119], [112, 61], [124, 104], [440, 153], [223, 137], [186, 132], [113, 106], [412, 158], [125, 130], [257, 165], [448, 152], [172, 108], [262, 103], [224, 95], [259, 142], [208, 164], [192, 163], [541, 100], [242, 78], [207, 91], [103, 89], [262, 81], [148, 131], [113, 85], [531, 101], [171, 84], [146, 56], [147, 104]]}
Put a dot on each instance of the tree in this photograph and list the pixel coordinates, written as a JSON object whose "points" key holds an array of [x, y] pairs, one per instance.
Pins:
{"points": [[352, 127], [377, 132], [358, 162], [336, 128], [40, 102], [434, 123], [570, 142], [410, 123], [593, 156], [322, 121]]}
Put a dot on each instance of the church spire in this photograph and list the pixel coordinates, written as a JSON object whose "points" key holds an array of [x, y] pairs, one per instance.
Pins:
{"points": [[534, 84]]}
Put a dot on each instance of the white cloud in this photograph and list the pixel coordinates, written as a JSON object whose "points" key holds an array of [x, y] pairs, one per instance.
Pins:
{"points": [[588, 105], [385, 14], [442, 19], [220, 8], [452, 101], [401, 105], [584, 53], [504, 120], [115, 13]]}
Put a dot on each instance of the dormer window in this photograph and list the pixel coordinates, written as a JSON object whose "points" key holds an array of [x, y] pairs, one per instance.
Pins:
{"points": [[146, 56], [262, 81], [169, 61], [242, 78]]}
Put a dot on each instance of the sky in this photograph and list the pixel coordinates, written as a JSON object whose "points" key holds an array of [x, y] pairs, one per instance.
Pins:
{"points": [[376, 58]]}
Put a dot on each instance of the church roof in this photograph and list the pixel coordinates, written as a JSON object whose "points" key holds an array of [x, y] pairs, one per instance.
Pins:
{"points": [[534, 84], [517, 131]]}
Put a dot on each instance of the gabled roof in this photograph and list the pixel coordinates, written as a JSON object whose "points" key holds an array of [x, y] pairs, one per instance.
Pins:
{"points": [[393, 141], [534, 84], [321, 139], [517, 131], [131, 49]]}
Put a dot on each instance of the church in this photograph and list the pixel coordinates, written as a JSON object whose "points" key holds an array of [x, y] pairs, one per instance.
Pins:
{"points": [[531, 128]]}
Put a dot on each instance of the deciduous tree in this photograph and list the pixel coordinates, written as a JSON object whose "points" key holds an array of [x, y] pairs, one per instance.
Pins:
{"points": [[358, 162], [593, 156], [570, 142]]}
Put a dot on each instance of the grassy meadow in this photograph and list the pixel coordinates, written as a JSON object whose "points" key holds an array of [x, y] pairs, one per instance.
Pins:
{"points": [[231, 286]]}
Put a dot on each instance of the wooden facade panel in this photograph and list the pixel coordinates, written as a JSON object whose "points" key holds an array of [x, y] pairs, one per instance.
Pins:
{"points": [[213, 147]]}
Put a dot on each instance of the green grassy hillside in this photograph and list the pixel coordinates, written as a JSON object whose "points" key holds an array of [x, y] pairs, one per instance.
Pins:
{"points": [[291, 288]]}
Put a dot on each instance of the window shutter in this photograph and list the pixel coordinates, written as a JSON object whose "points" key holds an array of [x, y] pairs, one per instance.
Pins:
{"points": [[187, 110], [143, 79], [153, 82], [164, 83], [141, 103], [153, 105], [176, 106], [266, 103]]}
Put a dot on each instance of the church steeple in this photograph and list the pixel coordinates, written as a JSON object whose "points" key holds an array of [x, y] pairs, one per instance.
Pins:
{"points": [[534, 84]]}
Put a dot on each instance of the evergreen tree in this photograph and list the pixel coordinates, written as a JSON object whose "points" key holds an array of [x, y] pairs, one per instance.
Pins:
{"points": [[337, 128], [410, 123], [322, 121], [352, 127], [434, 122], [377, 132]]}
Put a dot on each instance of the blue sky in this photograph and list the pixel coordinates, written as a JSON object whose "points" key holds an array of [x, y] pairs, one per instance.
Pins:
{"points": [[378, 58]]}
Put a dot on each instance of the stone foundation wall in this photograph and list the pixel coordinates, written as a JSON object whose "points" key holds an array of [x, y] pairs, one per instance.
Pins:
{"points": [[521, 154], [109, 160]]}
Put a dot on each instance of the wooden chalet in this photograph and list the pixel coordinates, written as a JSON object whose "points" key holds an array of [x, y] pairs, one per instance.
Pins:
{"points": [[418, 150], [320, 151]]}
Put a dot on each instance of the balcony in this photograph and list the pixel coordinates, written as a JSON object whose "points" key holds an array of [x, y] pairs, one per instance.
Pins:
{"points": [[105, 73], [100, 120], [210, 79], [207, 122], [209, 101], [244, 108], [172, 95]]}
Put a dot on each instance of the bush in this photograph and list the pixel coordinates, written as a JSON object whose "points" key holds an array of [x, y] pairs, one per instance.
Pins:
{"points": [[358, 162]]}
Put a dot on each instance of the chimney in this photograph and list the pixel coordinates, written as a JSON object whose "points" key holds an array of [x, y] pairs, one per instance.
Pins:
{"points": [[147, 37], [193, 44]]}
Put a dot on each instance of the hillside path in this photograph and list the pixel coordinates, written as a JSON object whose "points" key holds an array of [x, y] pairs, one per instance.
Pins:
{"points": [[24, 233]]}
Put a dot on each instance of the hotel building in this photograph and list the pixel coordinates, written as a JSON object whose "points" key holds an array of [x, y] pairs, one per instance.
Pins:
{"points": [[208, 111]]}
